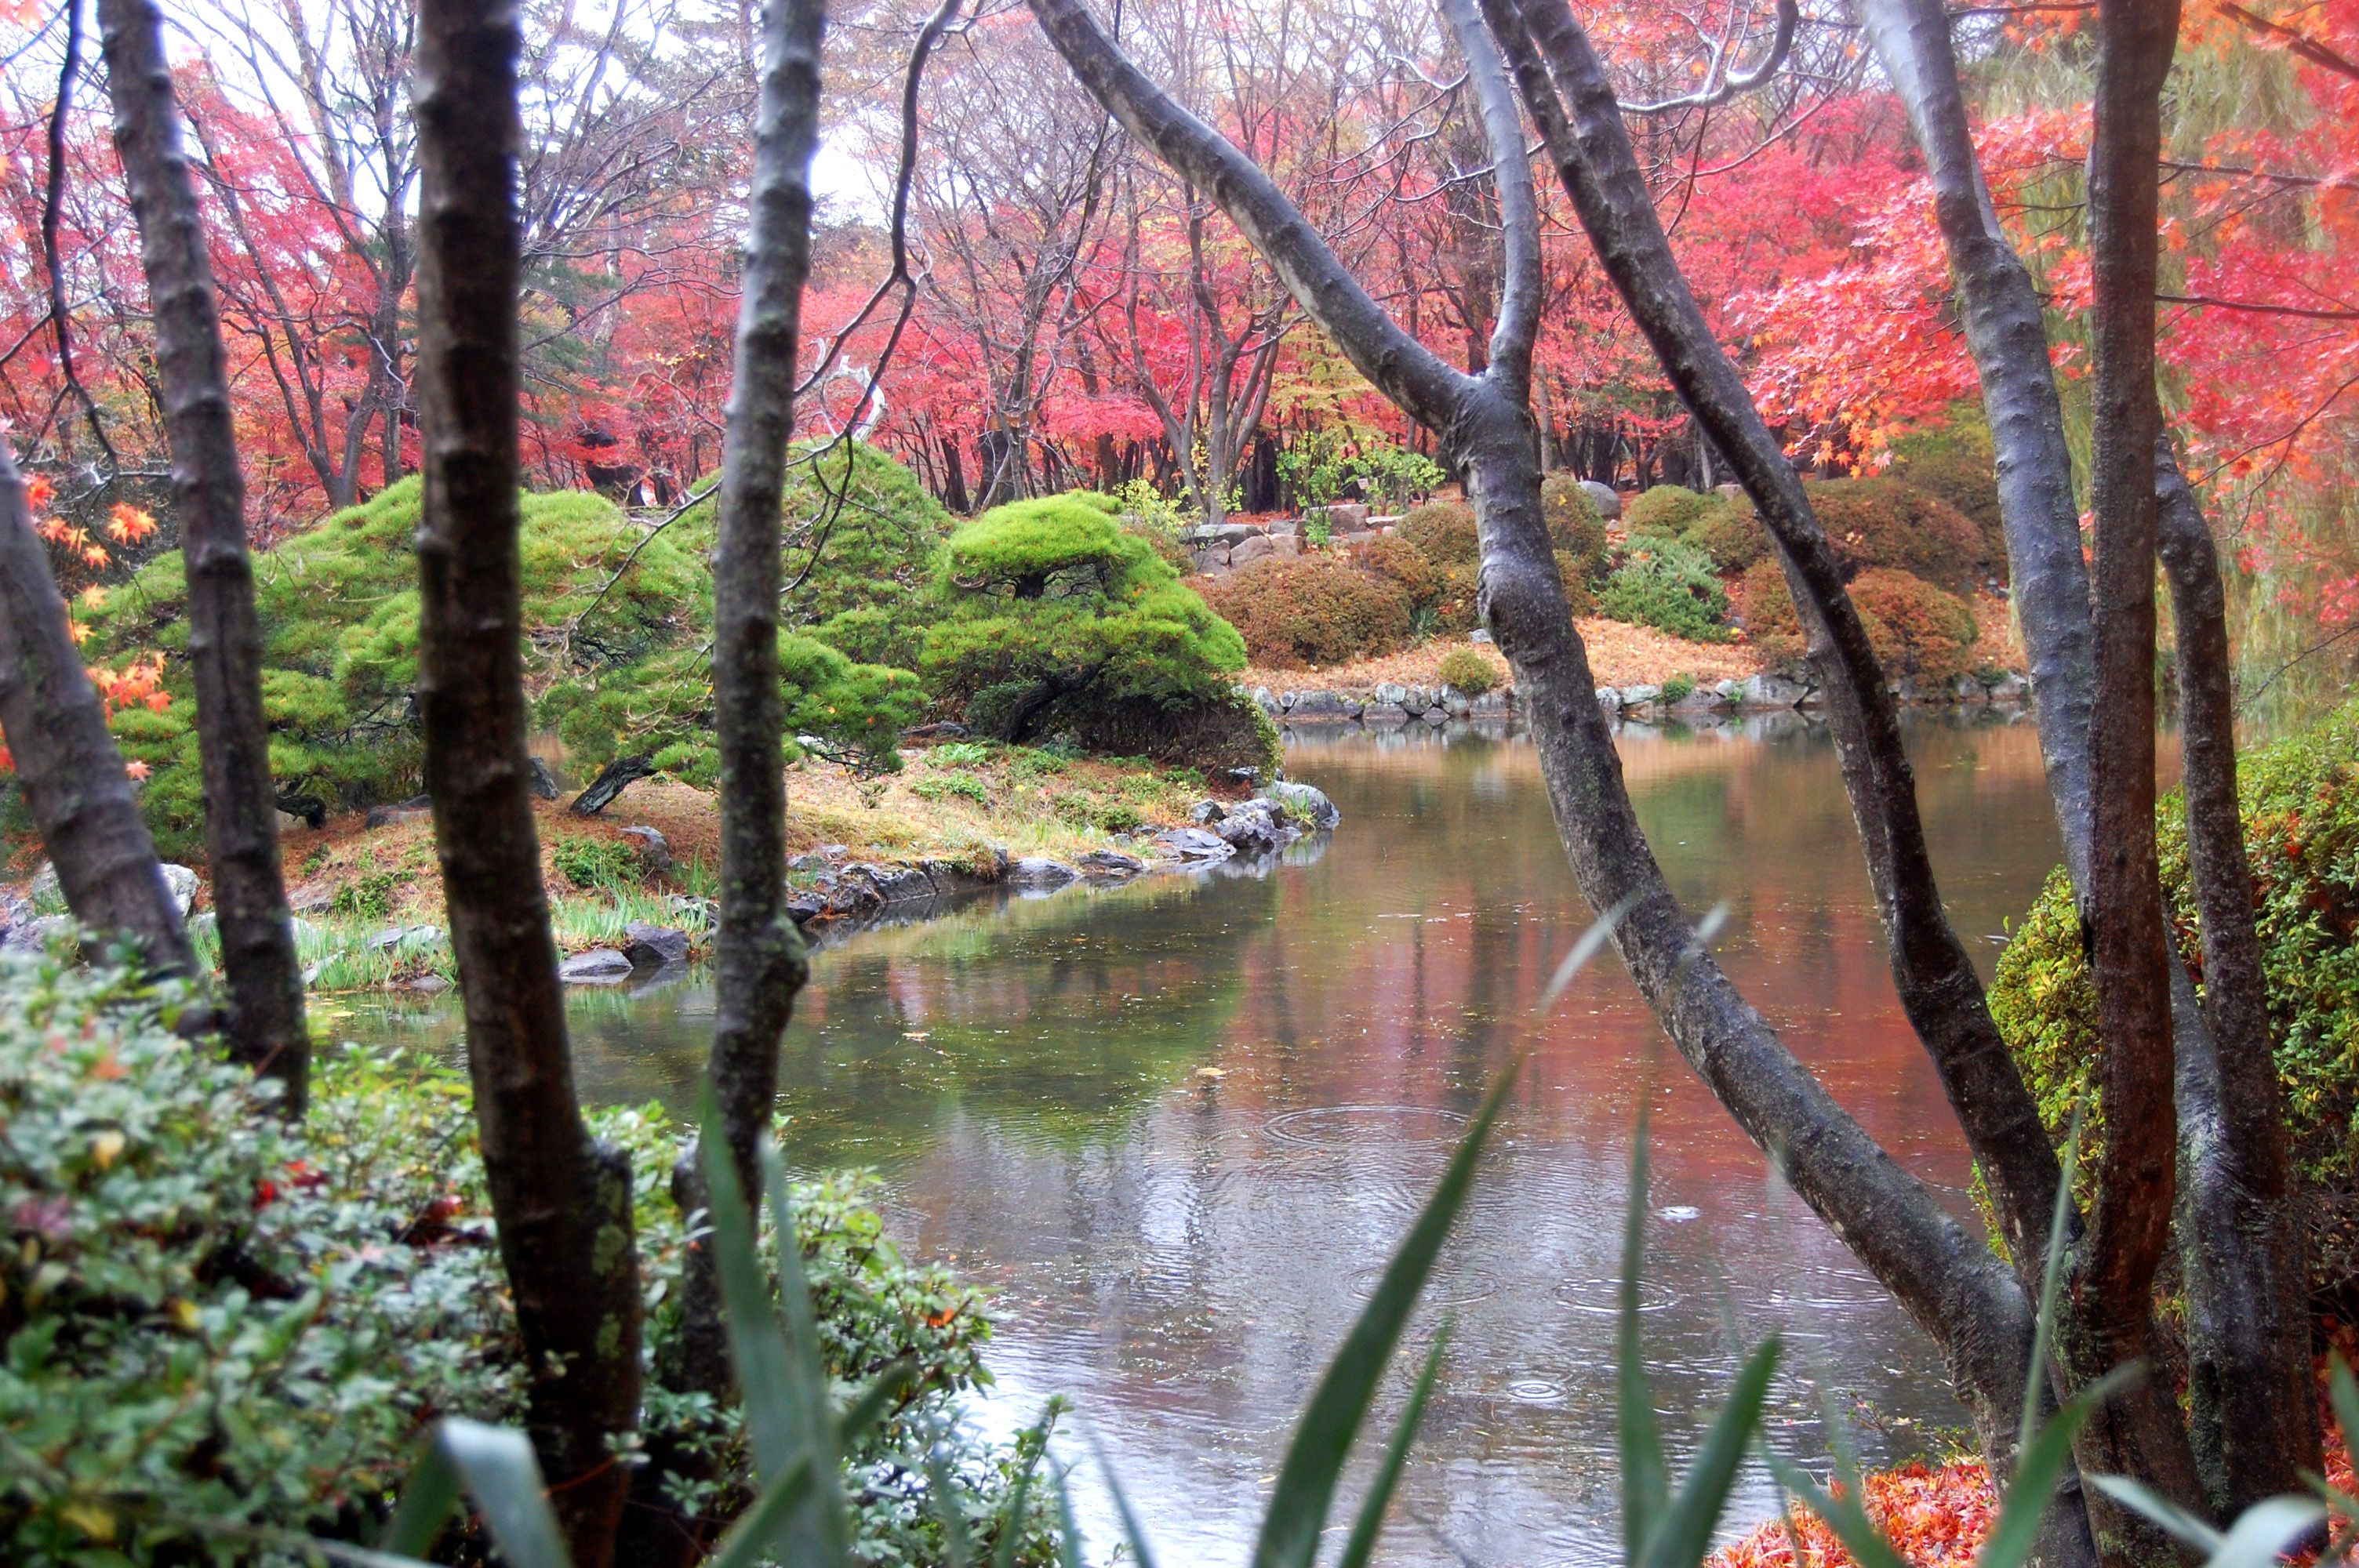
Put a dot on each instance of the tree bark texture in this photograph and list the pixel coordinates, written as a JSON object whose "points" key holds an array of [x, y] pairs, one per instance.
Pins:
{"points": [[1968, 1300], [2007, 333], [2254, 1416], [265, 1024], [2112, 1274], [67, 766], [563, 1205]]}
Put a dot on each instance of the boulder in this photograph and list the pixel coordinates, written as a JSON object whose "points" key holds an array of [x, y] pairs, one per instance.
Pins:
{"points": [[654, 848], [1109, 863], [2010, 687], [701, 913], [395, 937], [34, 934], [182, 882], [1194, 844], [1252, 829], [1391, 694], [1479, 637], [1211, 556], [1773, 691], [1607, 500], [1285, 547], [813, 861], [1267, 700], [1207, 534], [1609, 699], [1731, 693], [417, 809], [802, 908], [1040, 872], [1347, 517], [598, 967], [1640, 696], [431, 985], [853, 897], [893, 884], [1307, 801], [1250, 550], [645, 944], [1323, 705], [1965, 689], [539, 780], [1414, 700], [1205, 811], [1491, 704]]}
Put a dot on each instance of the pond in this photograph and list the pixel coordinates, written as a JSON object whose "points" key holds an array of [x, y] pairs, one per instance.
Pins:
{"points": [[1179, 1125]]}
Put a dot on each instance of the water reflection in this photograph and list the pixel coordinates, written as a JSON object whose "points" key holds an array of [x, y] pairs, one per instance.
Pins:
{"points": [[1179, 1125]]}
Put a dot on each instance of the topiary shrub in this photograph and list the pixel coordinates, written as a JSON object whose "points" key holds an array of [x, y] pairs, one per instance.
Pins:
{"points": [[1312, 610], [1050, 610], [1671, 587], [1446, 531], [1407, 567], [1767, 609], [1731, 533], [1954, 460], [1916, 631], [1574, 527], [1884, 523], [1469, 672], [2300, 807], [1664, 511]]}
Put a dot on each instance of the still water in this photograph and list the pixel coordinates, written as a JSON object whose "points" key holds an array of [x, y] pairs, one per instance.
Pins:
{"points": [[1177, 1125]]}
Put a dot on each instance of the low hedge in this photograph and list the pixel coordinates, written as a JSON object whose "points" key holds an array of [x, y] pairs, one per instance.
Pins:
{"points": [[1311, 609], [2300, 807]]}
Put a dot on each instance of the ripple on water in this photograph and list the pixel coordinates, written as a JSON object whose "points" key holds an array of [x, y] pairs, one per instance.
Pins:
{"points": [[1603, 1297], [1334, 1126], [1462, 1287]]}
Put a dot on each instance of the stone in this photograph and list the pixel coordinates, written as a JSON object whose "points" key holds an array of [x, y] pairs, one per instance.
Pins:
{"points": [[1283, 527], [1965, 689], [1323, 705], [1479, 636], [1250, 550], [1217, 534], [700, 913], [1491, 704], [182, 882], [1040, 872], [2010, 687], [35, 935], [1391, 694], [1607, 500], [539, 780], [1194, 844], [802, 908], [288, 824], [1609, 699], [1347, 517], [1109, 863], [429, 985], [417, 809], [646, 944], [1267, 700], [1205, 811], [893, 884], [314, 899], [1773, 691], [1730, 692], [598, 967], [1285, 547], [1252, 829], [853, 897], [813, 861], [401, 936], [1640, 696], [655, 850], [46, 888], [1212, 557], [835, 851], [1415, 700], [1307, 801], [1456, 703]]}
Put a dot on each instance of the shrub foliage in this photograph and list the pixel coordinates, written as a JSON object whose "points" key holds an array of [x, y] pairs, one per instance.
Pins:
{"points": [[1468, 672], [1668, 586], [1313, 609]]}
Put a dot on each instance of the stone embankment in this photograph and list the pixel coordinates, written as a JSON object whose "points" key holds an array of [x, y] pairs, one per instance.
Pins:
{"points": [[1390, 703], [1220, 547]]}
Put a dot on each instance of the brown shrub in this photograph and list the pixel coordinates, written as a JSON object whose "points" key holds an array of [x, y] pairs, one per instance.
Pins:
{"points": [[1404, 566], [1884, 523], [1445, 531], [1954, 460], [1313, 609], [1574, 527], [1916, 630]]}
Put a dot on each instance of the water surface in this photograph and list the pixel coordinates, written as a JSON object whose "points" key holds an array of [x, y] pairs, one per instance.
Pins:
{"points": [[1177, 1125]]}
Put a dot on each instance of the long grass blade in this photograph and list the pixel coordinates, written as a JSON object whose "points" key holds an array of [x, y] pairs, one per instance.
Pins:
{"points": [[2037, 1466], [1131, 1528], [1306, 1482], [761, 1532], [2266, 1531], [1646, 1475], [2162, 1511], [942, 1490], [1843, 1514], [825, 1540], [766, 1368], [2051, 1281], [426, 1499], [1019, 1499], [1592, 941], [502, 1475], [1068, 1533], [1362, 1543], [874, 1401], [1683, 1535]]}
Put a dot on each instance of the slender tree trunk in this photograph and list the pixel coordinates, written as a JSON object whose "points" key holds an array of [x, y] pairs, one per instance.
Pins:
{"points": [[2254, 1416], [2113, 1271], [563, 1204], [264, 979], [67, 766]]}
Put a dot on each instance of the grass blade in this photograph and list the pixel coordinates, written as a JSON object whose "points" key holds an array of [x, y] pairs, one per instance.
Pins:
{"points": [[500, 1475], [1069, 1534], [765, 1370], [2162, 1511], [1131, 1528], [2051, 1280], [2037, 1466], [1019, 1501], [942, 1488], [2344, 1394], [1845, 1515], [760, 1534], [2267, 1529], [875, 1400], [1646, 1476], [1306, 1482], [1592, 941], [824, 1533], [1362, 1544], [426, 1499], [1684, 1534]]}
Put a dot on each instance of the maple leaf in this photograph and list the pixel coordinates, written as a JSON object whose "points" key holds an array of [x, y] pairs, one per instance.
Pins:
{"points": [[130, 525], [135, 769]]}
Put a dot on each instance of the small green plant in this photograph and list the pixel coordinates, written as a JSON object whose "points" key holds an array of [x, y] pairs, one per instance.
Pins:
{"points": [[1468, 672], [1671, 587], [966, 786], [1319, 528], [1678, 689], [962, 755], [592, 864], [367, 897]]}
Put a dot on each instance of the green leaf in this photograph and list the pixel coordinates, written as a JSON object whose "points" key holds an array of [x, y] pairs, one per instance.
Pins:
{"points": [[1646, 1476], [1131, 1528], [2174, 1520], [1019, 1499], [432, 1492], [761, 1532], [876, 1400], [1069, 1534], [500, 1475], [1306, 1482], [942, 1491], [2051, 1280], [1362, 1544], [766, 1370], [2037, 1466], [1683, 1535], [2265, 1530]]}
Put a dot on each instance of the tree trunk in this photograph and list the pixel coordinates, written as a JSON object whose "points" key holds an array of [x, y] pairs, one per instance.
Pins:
{"points": [[2113, 1270], [2254, 1419], [563, 1205], [66, 763], [265, 980]]}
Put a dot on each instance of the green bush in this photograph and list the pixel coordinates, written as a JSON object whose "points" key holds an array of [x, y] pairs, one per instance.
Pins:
{"points": [[1574, 527], [1312, 610], [1469, 672], [2300, 799], [1724, 529], [1668, 586], [591, 864], [1049, 611], [1884, 523], [211, 1315], [1446, 531], [1664, 512], [1678, 689]]}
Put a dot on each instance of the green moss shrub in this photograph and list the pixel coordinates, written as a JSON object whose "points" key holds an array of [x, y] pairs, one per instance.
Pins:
{"points": [[1723, 529], [1574, 527], [1049, 611], [213, 1315], [2300, 799], [1664, 511], [1446, 530], [1469, 672], [1312, 610], [1671, 587]]}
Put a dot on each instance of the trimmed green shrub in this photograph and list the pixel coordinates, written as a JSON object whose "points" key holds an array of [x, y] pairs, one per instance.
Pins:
{"points": [[211, 1315], [1050, 609], [2300, 805], [1312, 610], [1731, 533], [1574, 527], [1664, 512], [1678, 689], [1469, 672], [1884, 523], [1668, 586]]}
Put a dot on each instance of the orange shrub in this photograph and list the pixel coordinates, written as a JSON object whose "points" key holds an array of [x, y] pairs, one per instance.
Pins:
{"points": [[1445, 531], [1403, 565], [1916, 630], [1884, 523], [1312, 610], [1936, 1518]]}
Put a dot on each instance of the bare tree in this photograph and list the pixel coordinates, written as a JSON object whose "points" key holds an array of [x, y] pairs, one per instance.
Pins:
{"points": [[563, 1204], [265, 1022]]}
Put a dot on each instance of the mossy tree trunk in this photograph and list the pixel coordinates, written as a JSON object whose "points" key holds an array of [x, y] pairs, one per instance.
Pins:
{"points": [[563, 1205], [265, 1023]]}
